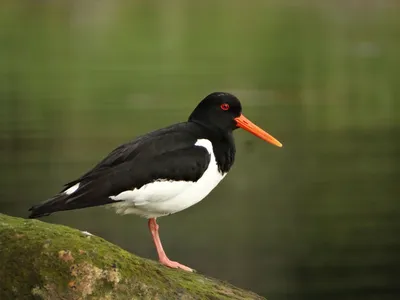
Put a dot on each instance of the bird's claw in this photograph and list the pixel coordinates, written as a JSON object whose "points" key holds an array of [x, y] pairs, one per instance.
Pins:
{"points": [[175, 265]]}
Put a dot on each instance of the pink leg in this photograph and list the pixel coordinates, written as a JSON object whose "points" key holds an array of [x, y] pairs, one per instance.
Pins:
{"points": [[153, 226]]}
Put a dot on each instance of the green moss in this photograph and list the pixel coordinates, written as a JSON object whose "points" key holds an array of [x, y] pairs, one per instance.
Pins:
{"points": [[45, 261]]}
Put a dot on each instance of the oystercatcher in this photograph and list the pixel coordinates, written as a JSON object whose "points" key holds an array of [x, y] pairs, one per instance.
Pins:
{"points": [[164, 171]]}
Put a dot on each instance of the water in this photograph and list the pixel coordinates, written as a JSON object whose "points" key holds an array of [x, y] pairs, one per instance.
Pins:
{"points": [[317, 218]]}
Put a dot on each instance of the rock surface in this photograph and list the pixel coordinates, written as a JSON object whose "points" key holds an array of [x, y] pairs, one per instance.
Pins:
{"points": [[45, 261]]}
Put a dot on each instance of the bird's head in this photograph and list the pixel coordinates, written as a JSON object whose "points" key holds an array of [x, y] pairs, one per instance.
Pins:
{"points": [[223, 111]]}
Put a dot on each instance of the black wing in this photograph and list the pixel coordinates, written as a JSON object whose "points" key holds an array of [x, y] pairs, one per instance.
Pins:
{"points": [[175, 137], [170, 155]]}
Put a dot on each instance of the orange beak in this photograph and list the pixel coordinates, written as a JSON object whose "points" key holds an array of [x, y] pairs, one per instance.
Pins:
{"points": [[246, 124]]}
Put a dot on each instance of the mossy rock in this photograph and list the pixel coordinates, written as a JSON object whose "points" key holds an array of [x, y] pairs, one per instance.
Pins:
{"points": [[46, 261]]}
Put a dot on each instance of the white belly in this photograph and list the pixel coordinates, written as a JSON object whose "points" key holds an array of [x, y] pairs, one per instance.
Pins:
{"points": [[164, 197]]}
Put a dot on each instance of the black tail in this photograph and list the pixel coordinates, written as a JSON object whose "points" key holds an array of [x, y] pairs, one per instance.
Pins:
{"points": [[85, 196], [46, 208]]}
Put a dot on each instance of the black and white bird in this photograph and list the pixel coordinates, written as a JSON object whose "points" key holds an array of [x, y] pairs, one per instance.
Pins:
{"points": [[164, 171]]}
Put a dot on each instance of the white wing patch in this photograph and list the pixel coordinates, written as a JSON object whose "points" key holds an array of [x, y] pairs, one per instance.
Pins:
{"points": [[72, 189], [206, 144], [164, 197]]}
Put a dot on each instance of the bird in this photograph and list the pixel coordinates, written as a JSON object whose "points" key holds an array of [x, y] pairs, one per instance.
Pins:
{"points": [[162, 172]]}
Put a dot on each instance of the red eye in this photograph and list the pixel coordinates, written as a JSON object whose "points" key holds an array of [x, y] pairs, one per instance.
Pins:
{"points": [[225, 106]]}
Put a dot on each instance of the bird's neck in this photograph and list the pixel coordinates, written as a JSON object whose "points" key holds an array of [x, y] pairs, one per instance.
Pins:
{"points": [[223, 145], [212, 130], [225, 151]]}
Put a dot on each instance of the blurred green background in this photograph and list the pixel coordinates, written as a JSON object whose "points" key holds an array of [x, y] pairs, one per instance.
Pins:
{"points": [[317, 219]]}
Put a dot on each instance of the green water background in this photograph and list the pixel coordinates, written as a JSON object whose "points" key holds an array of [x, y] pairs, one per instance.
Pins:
{"points": [[317, 219]]}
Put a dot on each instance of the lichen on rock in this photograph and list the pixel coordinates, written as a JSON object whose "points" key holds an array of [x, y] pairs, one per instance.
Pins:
{"points": [[44, 261]]}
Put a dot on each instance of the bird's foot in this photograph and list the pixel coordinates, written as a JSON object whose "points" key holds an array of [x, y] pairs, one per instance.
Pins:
{"points": [[175, 265]]}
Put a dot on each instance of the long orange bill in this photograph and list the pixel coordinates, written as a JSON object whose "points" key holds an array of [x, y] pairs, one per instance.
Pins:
{"points": [[246, 124]]}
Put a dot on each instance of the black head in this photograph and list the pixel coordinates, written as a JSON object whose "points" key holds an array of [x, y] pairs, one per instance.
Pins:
{"points": [[223, 112], [218, 110]]}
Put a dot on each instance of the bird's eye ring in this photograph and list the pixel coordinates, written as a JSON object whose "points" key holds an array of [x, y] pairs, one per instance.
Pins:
{"points": [[225, 106]]}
